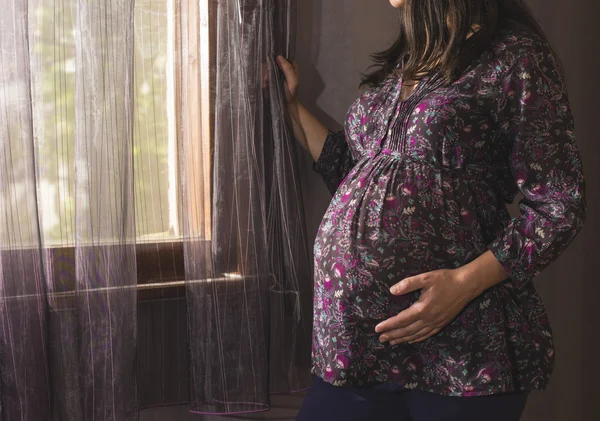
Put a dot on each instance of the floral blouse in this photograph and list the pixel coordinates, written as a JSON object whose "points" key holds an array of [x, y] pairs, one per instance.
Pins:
{"points": [[421, 184]]}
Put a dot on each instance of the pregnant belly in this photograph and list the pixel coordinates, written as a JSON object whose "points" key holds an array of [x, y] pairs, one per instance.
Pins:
{"points": [[388, 222]]}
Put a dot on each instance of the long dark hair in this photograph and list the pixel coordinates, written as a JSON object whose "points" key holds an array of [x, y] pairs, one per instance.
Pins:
{"points": [[433, 36]]}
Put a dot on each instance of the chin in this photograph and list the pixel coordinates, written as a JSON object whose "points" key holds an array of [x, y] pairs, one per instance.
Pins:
{"points": [[397, 3]]}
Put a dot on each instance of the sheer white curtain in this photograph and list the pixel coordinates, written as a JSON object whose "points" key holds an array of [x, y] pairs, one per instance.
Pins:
{"points": [[152, 242]]}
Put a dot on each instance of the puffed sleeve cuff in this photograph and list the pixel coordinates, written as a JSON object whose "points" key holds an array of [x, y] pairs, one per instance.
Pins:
{"points": [[330, 153], [505, 253], [335, 161], [536, 238]]}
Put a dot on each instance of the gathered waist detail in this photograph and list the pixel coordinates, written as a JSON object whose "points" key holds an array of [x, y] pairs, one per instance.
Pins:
{"points": [[479, 169]]}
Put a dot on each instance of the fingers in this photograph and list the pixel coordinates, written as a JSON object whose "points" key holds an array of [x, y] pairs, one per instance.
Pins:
{"points": [[416, 335], [422, 338], [402, 319], [289, 69], [402, 332], [410, 284]]}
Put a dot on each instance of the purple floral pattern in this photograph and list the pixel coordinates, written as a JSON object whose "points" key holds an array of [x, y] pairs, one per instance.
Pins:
{"points": [[422, 183]]}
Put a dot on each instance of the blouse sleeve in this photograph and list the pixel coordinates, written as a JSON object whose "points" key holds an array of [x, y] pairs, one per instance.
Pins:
{"points": [[545, 165], [335, 161]]}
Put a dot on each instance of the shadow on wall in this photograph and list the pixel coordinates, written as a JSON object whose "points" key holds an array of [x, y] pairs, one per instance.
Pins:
{"points": [[334, 41], [307, 55]]}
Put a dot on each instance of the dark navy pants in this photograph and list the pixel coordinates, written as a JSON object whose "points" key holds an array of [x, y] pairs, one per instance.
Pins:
{"points": [[386, 402]]}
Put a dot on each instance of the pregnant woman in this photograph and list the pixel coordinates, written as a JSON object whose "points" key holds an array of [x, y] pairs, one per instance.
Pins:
{"points": [[424, 306]]}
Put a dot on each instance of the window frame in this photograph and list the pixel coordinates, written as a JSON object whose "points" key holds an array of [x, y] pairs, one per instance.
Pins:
{"points": [[160, 264]]}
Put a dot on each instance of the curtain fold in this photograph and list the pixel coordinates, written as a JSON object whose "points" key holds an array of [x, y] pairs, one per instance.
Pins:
{"points": [[24, 345], [252, 330], [105, 260], [153, 247]]}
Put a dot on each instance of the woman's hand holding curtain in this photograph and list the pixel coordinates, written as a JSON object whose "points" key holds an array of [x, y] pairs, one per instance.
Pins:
{"points": [[308, 130]]}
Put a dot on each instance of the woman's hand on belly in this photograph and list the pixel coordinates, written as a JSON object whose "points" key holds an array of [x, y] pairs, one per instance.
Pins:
{"points": [[444, 293], [443, 296]]}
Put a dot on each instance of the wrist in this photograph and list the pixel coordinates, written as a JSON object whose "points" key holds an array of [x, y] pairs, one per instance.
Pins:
{"points": [[480, 274], [469, 281], [294, 107], [294, 103]]}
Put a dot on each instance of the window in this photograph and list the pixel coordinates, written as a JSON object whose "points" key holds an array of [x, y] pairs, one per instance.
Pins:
{"points": [[173, 50]]}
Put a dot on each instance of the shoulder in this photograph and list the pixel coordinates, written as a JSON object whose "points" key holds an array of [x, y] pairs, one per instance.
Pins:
{"points": [[518, 52], [516, 45]]}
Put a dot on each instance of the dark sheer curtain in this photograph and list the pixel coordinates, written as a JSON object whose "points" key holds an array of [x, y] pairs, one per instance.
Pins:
{"points": [[153, 248]]}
